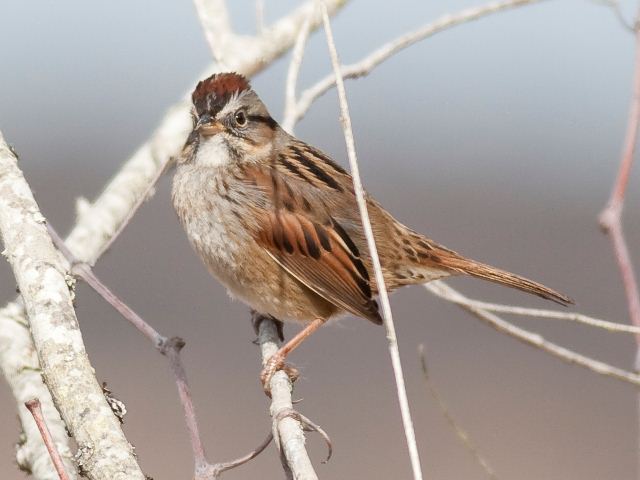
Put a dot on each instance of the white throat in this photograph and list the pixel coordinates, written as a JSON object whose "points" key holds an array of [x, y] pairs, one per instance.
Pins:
{"points": [[213, 152]]}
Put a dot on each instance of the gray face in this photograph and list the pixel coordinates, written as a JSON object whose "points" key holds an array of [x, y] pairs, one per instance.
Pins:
{"points": [[240, 131]]}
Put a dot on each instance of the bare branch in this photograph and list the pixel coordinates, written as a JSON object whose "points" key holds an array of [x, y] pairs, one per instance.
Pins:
{"points": [[443, 290], [367, 64], [214, 18], [287, 429], [460, 432], [21, 368], [373, 252], [34, 407], [289, 116], [551, 314], [54, 327]]}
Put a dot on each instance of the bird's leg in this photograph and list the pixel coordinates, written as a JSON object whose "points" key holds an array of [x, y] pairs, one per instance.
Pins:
{"points": [[276, 362]]}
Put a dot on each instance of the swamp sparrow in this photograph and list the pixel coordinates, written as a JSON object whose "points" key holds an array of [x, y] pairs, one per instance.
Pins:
{"points": [[276, 220]]}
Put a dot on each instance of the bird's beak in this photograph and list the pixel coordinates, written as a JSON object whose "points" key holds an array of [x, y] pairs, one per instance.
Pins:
{"points": [[208, 126]]}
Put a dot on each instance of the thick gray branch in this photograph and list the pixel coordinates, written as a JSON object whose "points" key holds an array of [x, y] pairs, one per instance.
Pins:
{"points": [[42, 280], [21, 368]]}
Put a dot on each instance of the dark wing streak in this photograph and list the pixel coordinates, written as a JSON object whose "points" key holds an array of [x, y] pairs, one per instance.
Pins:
{"points": [[317, 257]]}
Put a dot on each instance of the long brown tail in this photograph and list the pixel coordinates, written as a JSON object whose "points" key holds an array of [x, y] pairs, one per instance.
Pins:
{"points": [[487, 272]]}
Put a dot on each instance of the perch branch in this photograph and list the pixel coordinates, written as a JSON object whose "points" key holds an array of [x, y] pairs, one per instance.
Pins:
{"points": [[36, 410], [446, 292], [386, 51], [460, 432], [373, 252], [287, 430], [65, 365]]}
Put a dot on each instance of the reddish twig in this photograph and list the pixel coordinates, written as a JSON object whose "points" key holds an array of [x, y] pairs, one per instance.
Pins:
{"points": [[36, 410], [611, 217], [169, 347]]}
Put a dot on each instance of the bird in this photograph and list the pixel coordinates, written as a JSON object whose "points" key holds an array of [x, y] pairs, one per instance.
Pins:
{"points": [[275, 220]]}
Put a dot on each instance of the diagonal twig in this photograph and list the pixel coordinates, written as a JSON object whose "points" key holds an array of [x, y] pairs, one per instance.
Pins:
{"points": [[442, 290], [386, 51], [460, 432], [551, 314], [35, 408], [373, 252]]}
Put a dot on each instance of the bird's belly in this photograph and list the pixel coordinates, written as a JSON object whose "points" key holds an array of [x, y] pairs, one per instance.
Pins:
{"points": [[250, 274]]}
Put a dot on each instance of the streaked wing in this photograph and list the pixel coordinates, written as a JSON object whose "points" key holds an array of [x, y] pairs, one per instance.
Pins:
{"points": [[297, 230]]}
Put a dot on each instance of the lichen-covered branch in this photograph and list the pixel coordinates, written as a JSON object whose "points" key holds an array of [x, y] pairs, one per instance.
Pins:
{"points": [[21, 369], [42, 279]]}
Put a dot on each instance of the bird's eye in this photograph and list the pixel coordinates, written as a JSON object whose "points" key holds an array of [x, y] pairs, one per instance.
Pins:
{"points": [[241, 118]]}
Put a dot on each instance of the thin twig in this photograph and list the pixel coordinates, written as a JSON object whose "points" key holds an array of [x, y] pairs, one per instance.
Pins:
{"points": [[367, 64], [36, 410], [611, 216], [552, 314], [219, 468], [446, 292], [373, 252], [614, 5], [170, 347], [460, 432], [297, 54]]}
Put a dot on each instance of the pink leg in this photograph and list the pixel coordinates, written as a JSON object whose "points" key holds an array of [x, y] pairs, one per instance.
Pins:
{"points": [[276, 362]]}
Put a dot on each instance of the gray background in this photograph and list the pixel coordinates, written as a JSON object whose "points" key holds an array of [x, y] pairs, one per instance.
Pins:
{"points": [[499, 138]]}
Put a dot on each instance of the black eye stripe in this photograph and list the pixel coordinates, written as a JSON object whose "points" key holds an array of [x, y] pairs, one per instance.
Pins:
{"points": [[266, 120]]}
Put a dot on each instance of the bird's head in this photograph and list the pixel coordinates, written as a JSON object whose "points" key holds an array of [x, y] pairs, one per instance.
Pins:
{"points": [[231, 124]]}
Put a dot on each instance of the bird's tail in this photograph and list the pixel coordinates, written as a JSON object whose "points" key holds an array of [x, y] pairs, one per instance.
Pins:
{"points": [[486, 272]]}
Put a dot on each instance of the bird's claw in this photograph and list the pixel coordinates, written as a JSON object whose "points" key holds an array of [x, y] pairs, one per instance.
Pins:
{"points": [[275, 363]]}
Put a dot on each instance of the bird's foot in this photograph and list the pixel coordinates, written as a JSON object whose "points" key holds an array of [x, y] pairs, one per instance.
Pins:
{"points": [[275, 363]]}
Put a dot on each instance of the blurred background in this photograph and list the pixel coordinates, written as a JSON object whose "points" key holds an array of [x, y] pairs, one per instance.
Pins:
{"points": [[499, 138]]}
